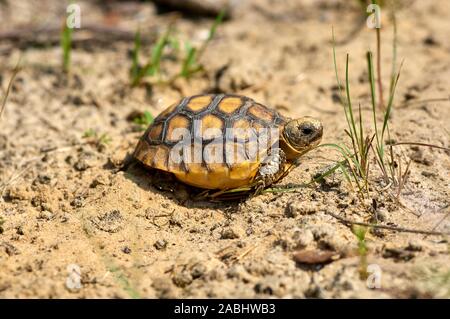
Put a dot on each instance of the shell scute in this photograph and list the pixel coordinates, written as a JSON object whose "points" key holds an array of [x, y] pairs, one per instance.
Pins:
{"points": [[199, 103], [177, 128], [229, 105], [211, 126], [261, 112], [155, 131]]}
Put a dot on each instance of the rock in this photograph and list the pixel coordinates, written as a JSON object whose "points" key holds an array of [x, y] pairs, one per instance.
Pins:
{"points": [[160, 244], [313, 257], [198, 270], [177, 219], [231, 233], [46, 215], [182, 279]]}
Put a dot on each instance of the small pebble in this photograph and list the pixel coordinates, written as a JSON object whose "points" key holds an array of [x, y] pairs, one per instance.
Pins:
{"points": [[160, 244], [182, 279], [231, 233]]}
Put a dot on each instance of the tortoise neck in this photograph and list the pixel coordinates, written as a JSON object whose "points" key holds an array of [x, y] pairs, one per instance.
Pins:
{"points": [[291, 153]]}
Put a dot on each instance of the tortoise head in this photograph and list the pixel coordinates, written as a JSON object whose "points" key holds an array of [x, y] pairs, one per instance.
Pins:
{"points": [[301, 135]]}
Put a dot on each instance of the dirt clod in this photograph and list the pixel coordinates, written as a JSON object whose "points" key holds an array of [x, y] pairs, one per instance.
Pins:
{"points": [[231, 233], [110, 222], [295, 209], [182, 278]]}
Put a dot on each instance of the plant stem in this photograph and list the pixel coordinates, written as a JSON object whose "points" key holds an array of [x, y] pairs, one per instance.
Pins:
{"points": [[391, 228], [380, 84], [8, 89]]}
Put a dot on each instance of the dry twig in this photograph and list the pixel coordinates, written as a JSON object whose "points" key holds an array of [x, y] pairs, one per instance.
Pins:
{"points": [[392, 228]]}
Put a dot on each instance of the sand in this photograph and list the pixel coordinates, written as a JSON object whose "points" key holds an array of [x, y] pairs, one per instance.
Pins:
{"points": [[74, 225]]}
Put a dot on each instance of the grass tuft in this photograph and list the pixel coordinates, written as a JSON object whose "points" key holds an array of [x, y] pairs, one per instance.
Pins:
{"points": [[153, 66], [355, 165], [190, 62], [95, 138], [144, 120]]}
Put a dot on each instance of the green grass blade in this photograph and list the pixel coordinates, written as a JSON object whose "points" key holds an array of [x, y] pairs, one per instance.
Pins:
{"points": [[148, 117], [217, 22], [212, 33], [361, 133], [348, 157], [344, 102], [189, 62], [66, 45], [394, 47], [154, 65], [337, 73], [379, 143], [349, 103], [391, 102]]}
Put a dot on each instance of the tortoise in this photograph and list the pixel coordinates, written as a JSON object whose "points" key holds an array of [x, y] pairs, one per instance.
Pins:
{"points": [[225, 142]]}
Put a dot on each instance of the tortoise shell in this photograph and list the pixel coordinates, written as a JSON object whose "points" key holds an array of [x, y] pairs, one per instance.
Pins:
{"points": [[206, 119]]}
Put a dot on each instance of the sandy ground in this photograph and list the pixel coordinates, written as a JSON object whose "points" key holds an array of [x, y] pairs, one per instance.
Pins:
{"points": [[76, 226]]}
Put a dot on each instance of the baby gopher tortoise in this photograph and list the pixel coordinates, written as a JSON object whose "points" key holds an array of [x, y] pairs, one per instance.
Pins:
{"points": [[225, 142]]}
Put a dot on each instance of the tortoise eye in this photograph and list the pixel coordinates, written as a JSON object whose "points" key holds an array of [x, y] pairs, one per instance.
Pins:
{"points": [[306, 130]]}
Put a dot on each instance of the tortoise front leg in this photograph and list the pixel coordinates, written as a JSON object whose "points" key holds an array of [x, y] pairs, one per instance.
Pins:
{"points": [[271, 170]]}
